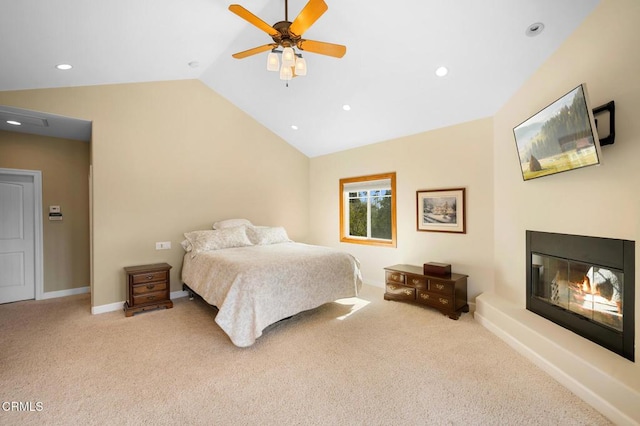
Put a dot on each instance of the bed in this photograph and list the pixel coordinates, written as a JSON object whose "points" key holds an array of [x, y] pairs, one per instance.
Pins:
{"points": [[257, 276]]}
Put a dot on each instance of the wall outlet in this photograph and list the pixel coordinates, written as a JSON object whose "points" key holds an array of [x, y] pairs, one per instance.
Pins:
{"points": [[164, 245]]}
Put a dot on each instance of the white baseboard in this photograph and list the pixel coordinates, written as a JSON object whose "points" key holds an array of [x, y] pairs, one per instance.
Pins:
{"points": [[112, 307], [179, 294], [103, 309], [64, 293], [612, 398]]}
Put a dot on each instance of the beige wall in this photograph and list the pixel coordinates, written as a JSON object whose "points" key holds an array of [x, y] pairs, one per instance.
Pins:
{"points": [[451, 157], [598, 201], [170, 157], [65, 182]]}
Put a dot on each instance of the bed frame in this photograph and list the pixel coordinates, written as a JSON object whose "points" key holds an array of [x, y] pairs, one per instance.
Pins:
{"points": [[192, 294]]}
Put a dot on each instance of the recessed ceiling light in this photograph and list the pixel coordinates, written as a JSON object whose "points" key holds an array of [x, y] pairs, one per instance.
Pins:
{"points": [[64, 67], [346, 107], [14, 123], [442, 71], [294, 127], [534, 29]]}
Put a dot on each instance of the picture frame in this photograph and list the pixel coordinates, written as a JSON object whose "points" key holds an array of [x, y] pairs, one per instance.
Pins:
{"points": [[441, 210]]}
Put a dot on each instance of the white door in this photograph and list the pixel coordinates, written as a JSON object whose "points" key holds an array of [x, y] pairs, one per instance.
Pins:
{"points": [[17, 237]]}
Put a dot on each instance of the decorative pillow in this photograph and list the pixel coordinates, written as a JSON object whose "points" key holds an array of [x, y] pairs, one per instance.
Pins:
{"points": [[230, 223], [216, 239], [264, 235]]}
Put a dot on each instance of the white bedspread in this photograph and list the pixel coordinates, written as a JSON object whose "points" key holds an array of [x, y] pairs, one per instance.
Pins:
{"points": [[256, 286]]}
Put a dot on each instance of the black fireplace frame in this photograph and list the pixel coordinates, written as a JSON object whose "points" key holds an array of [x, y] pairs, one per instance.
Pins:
{"points": [[605, 252]]}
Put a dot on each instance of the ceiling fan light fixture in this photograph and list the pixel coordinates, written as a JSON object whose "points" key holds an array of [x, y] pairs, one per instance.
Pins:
{"points": [[301, 66], [273, 63], [288, 57], [286, 73], [288, 36]]}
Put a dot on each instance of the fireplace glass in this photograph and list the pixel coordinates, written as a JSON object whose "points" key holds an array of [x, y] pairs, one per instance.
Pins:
{"points": [[591, 291]]}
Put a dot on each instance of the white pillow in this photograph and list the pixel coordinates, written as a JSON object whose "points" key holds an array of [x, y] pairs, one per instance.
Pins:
{"points": [[264, 235], [218, 239], [230, 223]]}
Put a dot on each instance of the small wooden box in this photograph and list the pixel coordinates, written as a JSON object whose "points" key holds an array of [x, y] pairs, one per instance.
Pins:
{"points": [[435, 268]]}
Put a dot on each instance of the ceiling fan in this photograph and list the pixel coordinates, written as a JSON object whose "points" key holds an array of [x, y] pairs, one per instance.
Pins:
{"points": [[288, 35]]}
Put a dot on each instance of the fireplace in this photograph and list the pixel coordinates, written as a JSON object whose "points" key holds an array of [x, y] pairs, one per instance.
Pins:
{"points": [[584, 284]]}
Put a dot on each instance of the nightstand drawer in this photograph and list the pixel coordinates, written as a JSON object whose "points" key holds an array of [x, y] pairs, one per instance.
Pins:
{"points": [[400, 292], [441, 287], [149, 288], [150, 277], [149, 297], [395, 277]]}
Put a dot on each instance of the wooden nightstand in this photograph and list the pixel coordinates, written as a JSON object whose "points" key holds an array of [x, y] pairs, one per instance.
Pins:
{"points": [[147, 288]]}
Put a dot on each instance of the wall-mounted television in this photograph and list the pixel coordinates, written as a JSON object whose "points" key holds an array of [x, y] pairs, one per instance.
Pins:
{"points": [[559, 138]]}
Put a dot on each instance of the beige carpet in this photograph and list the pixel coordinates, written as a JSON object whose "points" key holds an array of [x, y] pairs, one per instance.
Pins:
{"points": [[387, 363]]}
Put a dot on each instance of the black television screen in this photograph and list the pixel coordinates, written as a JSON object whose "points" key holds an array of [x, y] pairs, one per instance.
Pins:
{"points": [[559, 138]]}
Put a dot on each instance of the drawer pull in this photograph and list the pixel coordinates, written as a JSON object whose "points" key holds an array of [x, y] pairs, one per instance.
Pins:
{"points": [[395, 277], [424, 296], [443, 301], [149, 277], [408, 292], [151, 286], [415, 281], [440, 286], [391, 287], [153, 297]]}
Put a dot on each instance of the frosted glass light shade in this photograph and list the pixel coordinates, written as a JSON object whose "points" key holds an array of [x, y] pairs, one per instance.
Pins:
{"points": [[288, 57], [301, 66], [273, 63], [285, 72]]}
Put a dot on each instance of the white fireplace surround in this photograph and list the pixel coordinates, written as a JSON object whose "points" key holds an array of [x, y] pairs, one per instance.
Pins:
{"points": [[580, 365]]}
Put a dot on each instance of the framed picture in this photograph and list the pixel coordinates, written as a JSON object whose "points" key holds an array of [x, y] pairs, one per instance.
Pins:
{"points": [[441, 210]]}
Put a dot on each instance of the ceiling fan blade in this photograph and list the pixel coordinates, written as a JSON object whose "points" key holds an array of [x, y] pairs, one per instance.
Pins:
{"points": [[329, 49], [253, 19], [254, 51], [309, 14]]}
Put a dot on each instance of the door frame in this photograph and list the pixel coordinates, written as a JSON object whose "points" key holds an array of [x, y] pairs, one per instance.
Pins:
{"points": [[38, 247]]}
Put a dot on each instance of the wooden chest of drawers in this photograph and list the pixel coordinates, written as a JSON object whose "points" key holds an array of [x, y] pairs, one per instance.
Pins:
{"points": [[148, 287], [448, 293]]}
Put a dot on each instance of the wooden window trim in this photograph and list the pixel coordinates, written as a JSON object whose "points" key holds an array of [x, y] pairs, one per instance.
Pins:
{"points": [[344, 238]]}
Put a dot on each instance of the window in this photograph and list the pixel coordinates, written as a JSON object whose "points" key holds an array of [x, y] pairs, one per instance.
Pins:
{"points": [[368, 210]]}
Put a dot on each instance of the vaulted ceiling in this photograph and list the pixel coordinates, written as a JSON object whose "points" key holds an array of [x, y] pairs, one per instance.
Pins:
{"points": [[387, 76]]}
